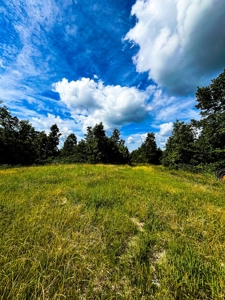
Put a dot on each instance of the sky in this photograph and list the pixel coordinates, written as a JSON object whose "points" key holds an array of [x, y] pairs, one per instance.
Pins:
{"points": [[131, 64]]}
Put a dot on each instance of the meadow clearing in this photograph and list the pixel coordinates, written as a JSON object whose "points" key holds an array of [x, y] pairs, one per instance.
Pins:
{"points": [[111, 232]]}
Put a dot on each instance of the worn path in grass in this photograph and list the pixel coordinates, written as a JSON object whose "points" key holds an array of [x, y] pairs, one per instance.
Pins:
{"points": [[111, 232]]}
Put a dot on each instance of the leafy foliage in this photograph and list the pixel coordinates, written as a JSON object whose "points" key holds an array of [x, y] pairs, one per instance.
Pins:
{"points": [[148, 151], [201, 144], [211, 101], [69, 145], [180, 146], [21, 144]]}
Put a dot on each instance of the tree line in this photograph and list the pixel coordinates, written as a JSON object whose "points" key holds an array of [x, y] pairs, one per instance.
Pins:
{"points": [[21, 144], [200, 144], [193, 145]]}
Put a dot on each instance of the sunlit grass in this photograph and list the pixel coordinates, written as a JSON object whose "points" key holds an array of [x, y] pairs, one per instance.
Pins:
{"points": [[111, 232]]}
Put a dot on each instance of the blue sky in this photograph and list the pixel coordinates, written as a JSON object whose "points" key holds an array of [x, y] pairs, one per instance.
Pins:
{"points": [[133, 65]]}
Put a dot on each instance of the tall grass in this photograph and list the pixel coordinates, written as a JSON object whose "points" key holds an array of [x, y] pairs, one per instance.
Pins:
{"points": [[111, 232]]}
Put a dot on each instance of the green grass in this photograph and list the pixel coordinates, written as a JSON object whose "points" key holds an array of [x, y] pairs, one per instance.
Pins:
{"points": [[111, 232]]}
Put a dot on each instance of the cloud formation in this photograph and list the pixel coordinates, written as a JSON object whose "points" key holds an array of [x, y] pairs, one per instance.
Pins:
{"points": [[136, 138], [178, 43], [181, 42], [91, 102], [165, 108], [165, 131]]}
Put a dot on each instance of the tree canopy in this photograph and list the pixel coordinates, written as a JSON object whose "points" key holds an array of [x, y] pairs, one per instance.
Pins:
{"points": [[196, 144], [148, 152], [21, 144], [180, 146], [201, 143]]}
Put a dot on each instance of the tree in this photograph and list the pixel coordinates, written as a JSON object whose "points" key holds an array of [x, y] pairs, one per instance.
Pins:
{"points": [[148, 151], [53, 141], [115, 137], [151, 153], [26, 143], [68, 148], [89, 142], [96, 144], [211, 102], [9, 131], [80, 155], [211, 99], [20, 143], [118, 153], [42, 147], [180, 146]]}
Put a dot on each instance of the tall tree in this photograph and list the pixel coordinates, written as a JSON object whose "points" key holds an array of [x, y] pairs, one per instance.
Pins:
{"points": [[118, 153], [53, 141], [42, 147], [211, 102], [89, 142], [96, 141], [68, 148], [148, 152], [26, 143], [81, 153], [151, 152], [180, 146], [9, 131]]}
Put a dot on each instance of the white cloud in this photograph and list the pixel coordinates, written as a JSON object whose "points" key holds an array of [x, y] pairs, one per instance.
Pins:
{"points": [[91, 102], [2, 65], [136, 138], [66, 126], [165, 108], [181, 42], [165, 131]]}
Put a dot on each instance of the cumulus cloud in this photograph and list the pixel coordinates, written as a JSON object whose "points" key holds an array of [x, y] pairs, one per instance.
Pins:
{"points": [[66, 126], [181, 42], [136, 138], [43, 122], [165, 130], [91, 102], [165, 108], [161, 136]]}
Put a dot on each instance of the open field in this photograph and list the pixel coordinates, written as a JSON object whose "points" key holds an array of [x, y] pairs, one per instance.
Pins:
{"points": [[111, 232]]}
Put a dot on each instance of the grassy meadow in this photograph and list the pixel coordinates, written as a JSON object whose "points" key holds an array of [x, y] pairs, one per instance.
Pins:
{"points": [[111, 232]]}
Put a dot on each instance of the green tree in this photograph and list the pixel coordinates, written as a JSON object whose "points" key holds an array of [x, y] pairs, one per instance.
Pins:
{"points": [[41, 142], [118, 153], [53, 141], [26, 143], [180, 146], [96, 144], [9, 131], [80, 155], [89, 145], [211, 102], [148, 152], [68, 148], [151, 153]]}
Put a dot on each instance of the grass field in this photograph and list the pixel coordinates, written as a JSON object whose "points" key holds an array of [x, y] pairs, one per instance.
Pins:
{"points": [[111, 232]]}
